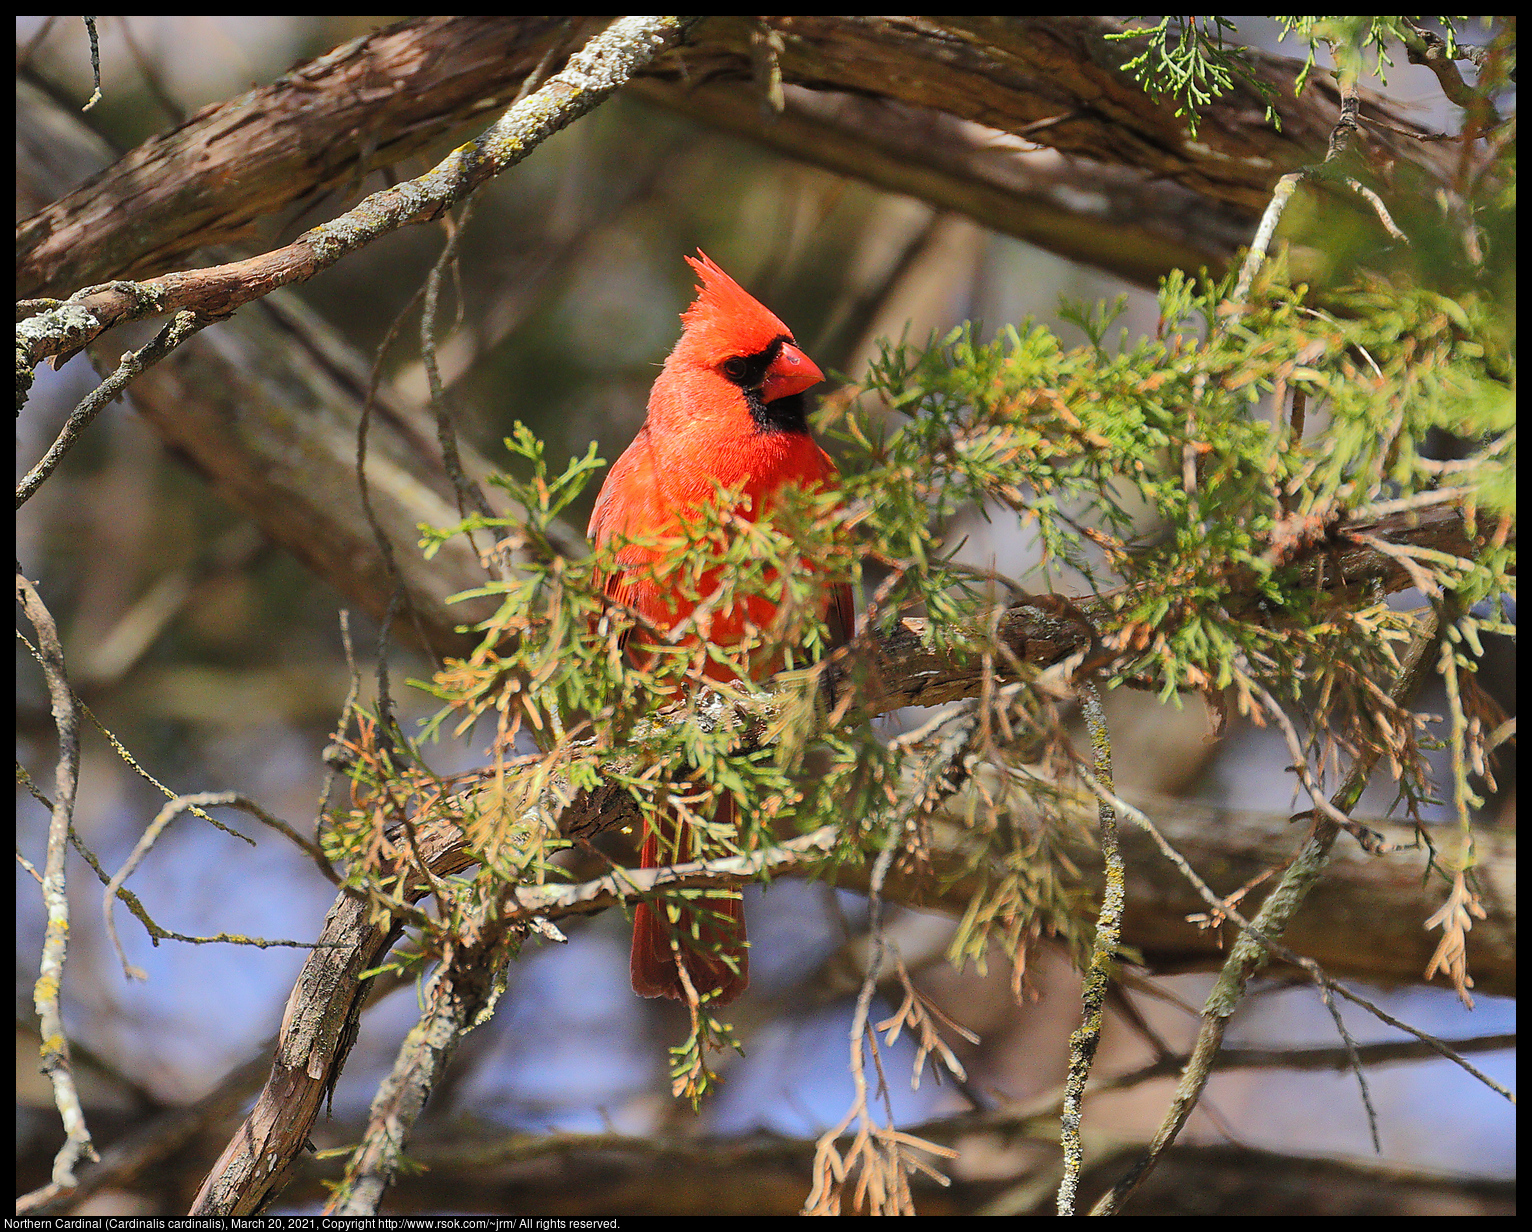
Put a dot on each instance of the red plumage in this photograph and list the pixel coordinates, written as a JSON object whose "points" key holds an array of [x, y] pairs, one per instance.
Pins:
{"points": [[723, 410]]}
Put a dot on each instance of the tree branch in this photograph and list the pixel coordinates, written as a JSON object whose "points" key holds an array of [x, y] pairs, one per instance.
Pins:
{"points": [[1042, 81], [55, 948], [322, 127], [592, 75], [1248, 954], [325, 999]]}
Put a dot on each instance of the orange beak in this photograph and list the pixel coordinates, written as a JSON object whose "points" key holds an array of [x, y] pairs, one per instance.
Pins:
{"points": [[790, 373]]}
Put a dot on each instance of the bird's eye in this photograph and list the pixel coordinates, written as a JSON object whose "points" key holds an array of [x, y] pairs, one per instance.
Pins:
{"points": [[734, 369]]}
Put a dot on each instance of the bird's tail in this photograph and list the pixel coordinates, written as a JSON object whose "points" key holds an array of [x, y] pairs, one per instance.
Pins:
{"points": [[708, 934]]}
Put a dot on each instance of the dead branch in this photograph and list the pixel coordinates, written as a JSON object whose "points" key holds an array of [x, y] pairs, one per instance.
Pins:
{"points": [[318, 1029], [322, 127], [269, 415]]}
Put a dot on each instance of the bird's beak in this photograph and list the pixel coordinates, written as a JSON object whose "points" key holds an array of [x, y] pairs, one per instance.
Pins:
{"points": [[790, 373]]}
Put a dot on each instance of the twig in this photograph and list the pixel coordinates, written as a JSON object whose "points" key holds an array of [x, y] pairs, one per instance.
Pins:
{"points": [[1369, 840], [1083, 1043], [1378, 207], [1440, 1047], [50, 975], [469, 494], [163, 818], [1430, 49], [625, 884], [95, 62], [1281, 194], [1421, 500], [1260, 938], [133, 363], [364, 491], [1340, 139]]}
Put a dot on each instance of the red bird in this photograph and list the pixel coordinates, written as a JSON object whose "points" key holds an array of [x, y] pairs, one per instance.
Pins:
{"points": [[727, 409]]}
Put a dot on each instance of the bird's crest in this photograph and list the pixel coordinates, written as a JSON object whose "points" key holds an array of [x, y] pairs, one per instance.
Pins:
{"points": [[725, 320]]}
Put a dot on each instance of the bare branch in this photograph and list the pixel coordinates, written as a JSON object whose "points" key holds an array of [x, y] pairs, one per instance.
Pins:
{"points": [[462, 993], [1260, 937], [50, 976], [173, 335]]}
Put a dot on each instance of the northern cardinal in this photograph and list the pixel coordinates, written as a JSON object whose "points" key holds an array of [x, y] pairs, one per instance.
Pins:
{"points": [[727, 409]]}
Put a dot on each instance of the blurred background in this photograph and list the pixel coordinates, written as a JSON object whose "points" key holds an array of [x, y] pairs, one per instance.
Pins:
{"points": [[216, 658]]}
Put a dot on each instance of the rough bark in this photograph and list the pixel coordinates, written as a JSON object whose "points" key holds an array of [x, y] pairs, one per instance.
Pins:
{"points": [[266, 407], [1363, 923], [318, 1028], [322, 127], [320, 1022], [277, 403], [1047, 81]]}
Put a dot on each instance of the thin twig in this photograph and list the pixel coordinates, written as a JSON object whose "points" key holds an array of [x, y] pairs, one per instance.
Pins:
{"points": [[1430, 49], [1340, 139], [50, 974], [95, 62], [1083, 1043], [172, 810], [1252, 931], [1378, 208], [1370, 841], [1281, 194], [400, 592], [1259, 939], [175, 332], [469, 494]]}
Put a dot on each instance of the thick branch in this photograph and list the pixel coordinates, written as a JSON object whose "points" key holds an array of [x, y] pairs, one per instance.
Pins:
{"points": [[591, 76], [266, 407], [318, 1029], [324, 126], [1045, 633], [590, 1175], [1044, 81], [321, 1012]]}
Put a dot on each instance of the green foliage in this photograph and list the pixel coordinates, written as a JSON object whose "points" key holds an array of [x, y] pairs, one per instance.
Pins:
{"points": [[1182, 436], [691, 1077], [1161, 474], [1187, 59], [1191, 493], [1357, 44]]}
